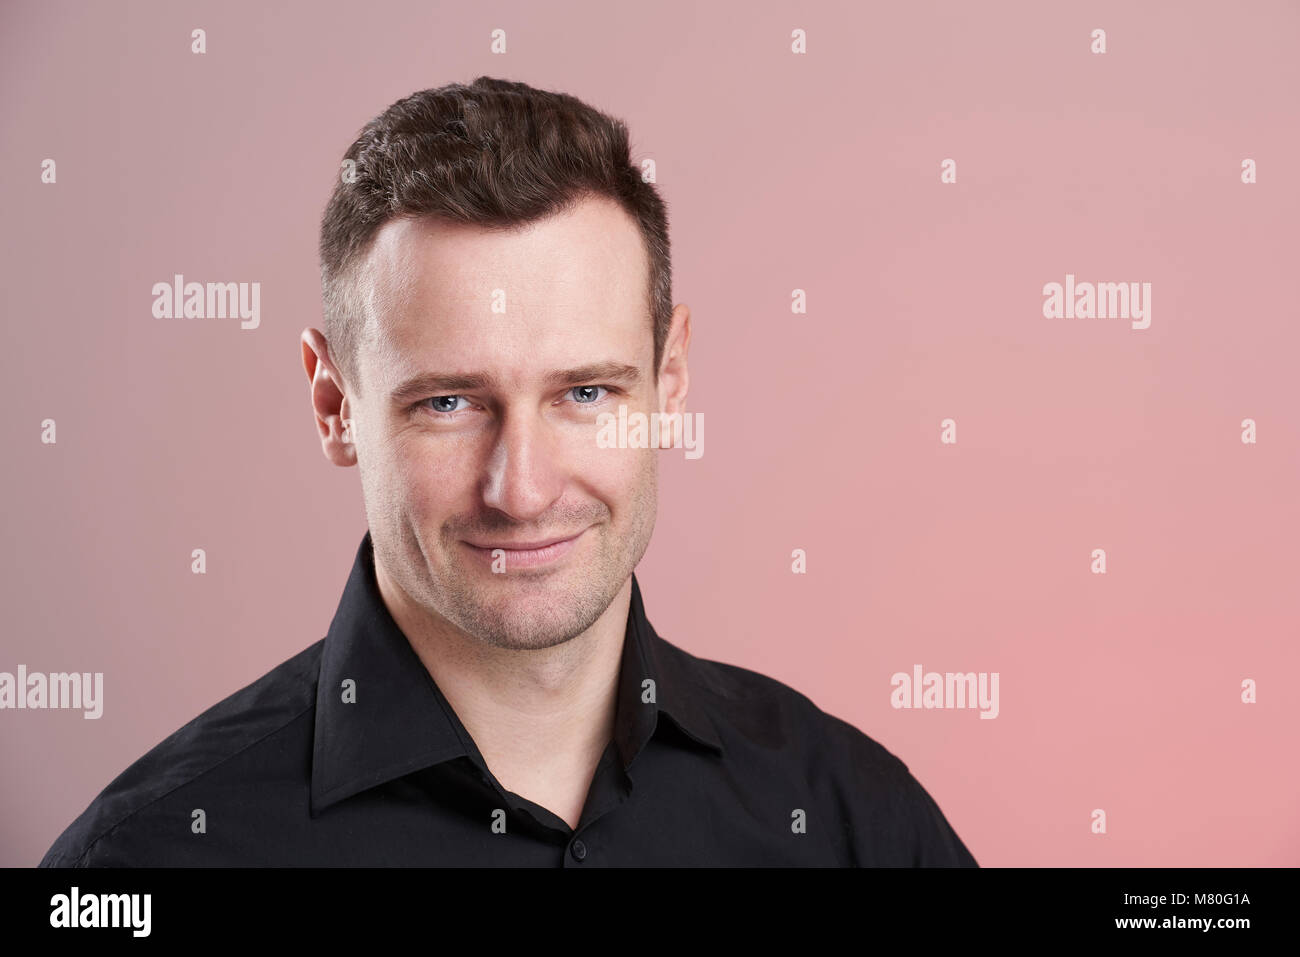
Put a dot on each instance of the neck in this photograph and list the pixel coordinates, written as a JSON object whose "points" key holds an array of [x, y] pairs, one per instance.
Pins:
{"points": [[538, 716]]}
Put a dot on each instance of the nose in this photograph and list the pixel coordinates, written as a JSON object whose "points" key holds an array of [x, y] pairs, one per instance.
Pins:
{"points": [[524, 474]]}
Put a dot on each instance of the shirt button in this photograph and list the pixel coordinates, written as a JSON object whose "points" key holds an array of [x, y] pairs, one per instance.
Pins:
{"points": [[578, 850]]}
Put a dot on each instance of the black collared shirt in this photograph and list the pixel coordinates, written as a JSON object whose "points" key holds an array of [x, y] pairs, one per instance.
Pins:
{"points": [[348, 754]]}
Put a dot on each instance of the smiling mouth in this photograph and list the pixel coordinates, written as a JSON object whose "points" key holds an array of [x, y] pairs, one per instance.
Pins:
{"points": [[532, 554]]}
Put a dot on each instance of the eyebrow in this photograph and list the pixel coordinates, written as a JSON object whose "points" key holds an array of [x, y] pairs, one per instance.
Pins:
{"points": [[439, 383]]}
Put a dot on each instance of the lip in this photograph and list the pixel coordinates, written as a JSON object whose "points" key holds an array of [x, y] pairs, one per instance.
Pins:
{"points": [[534, 554]]}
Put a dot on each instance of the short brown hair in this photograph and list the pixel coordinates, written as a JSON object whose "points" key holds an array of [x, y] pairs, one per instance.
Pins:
{"points": [[497, 154]]}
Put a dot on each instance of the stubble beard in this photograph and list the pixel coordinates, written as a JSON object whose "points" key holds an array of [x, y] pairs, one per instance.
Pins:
{"points": [[527, 610]]}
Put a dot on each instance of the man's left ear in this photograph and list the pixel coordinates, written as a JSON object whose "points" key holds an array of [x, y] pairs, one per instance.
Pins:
{"points": [[674, 378]]}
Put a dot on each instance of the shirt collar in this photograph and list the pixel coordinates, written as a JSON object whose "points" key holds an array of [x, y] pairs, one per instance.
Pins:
{"points": [[380, 715]]}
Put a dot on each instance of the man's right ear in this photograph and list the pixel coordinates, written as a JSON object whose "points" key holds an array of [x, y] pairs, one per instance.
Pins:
{"points": [[329, 401]]}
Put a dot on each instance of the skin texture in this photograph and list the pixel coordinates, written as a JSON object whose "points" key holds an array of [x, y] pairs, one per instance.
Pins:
{"points": [[527, 657]]}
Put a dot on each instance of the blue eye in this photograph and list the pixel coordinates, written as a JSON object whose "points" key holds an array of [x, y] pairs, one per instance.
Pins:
{"points": [[438, 400], [447, 405]]}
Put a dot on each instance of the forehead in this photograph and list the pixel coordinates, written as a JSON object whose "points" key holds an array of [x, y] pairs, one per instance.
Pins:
{"points": [[517, 303]]}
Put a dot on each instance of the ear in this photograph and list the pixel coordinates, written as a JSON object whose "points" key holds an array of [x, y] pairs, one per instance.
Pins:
{"points": [[674, 377], [329, 400]]}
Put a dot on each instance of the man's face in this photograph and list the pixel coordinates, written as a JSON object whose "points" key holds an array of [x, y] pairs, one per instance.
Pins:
{"points": [[487, 359]]}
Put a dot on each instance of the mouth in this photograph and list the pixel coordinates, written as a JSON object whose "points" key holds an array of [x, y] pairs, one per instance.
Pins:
{"points": [[516, 555]]}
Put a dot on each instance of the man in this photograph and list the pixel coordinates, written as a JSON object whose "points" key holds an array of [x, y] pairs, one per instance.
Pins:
{"points": [[496, 276]]}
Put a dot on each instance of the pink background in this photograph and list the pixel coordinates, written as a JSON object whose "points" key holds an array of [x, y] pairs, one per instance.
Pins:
{"points": [[820, 172]]}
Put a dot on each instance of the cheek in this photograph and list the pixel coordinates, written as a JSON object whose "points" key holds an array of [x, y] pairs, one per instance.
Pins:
{"points": [[431, 478], [622, 478]]}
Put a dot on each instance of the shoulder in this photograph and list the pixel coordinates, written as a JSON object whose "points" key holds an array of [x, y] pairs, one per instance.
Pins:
{"points": [[887, 814], [244, 727], [770, 713]]}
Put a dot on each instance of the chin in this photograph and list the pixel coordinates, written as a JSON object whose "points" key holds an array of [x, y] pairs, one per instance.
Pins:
{"points": [[532, 611], [528, 629]]}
